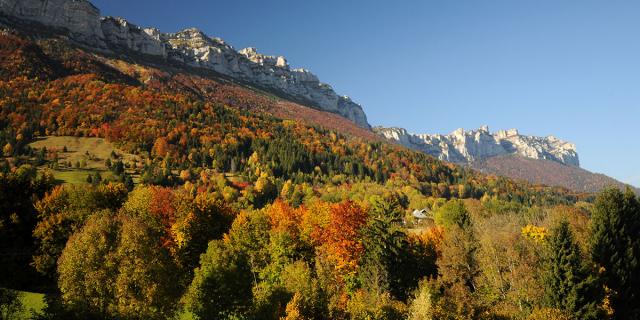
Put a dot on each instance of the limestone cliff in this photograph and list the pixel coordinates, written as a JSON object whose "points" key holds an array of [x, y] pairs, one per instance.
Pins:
{"points": [[468, 147]]}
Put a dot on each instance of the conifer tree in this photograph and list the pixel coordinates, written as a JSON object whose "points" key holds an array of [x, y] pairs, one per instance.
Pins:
{"points": [[615, 248], [567, 283]]}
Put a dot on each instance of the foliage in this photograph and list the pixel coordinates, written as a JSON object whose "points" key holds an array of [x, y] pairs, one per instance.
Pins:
{"points": [[566, 281], [10, 304], [88, 269], [453, 214], [62, 212], [222, 284], [615, 248], [535, 233], [240, 214], [19, 188]]}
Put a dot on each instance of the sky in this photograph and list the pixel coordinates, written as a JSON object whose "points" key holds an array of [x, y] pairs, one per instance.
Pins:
{"points": [[567, 68]]}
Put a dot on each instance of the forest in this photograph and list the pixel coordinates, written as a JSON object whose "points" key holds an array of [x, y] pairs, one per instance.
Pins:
{"points": [[215, 207]]}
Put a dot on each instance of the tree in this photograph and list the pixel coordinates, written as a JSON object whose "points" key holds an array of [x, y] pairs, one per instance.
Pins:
{"points": [[388, 259], [19, 188], [425, 303], [615, 248], [7, 150], [146, 286], [549, 314], [453, 213], [308, 300], [115, 267], [88, 267], [10, 304], [199, 220], [222, 284], [161, 147], [457, 264], [62, 212], [342, 239], [566, 280]]}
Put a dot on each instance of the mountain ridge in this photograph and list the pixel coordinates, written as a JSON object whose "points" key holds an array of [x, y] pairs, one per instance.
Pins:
{"points": [[543, 160], [467, 147], [189, 47]]}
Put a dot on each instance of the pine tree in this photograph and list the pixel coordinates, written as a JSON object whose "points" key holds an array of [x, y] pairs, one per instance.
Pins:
{"points": [[567, 283], [615, 248]]}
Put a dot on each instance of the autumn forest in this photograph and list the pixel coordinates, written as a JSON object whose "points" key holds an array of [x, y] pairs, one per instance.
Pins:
{"points": [[212, 199]]}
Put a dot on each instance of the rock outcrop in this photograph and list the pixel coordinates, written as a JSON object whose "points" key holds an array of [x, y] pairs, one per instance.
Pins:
{"points": [[121, 35], [79, 17], [192, 47], [468, 147]]}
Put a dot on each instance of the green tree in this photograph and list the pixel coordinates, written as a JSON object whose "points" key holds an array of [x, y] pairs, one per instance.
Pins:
{"points": [[62, 212], [389, 262], [615, 248], [10, 304], [457, 264], [567, 283], [115, 267], [146, 286], [199, 220], [222, 284], [453, 213], [18, 191], [88, 267]]}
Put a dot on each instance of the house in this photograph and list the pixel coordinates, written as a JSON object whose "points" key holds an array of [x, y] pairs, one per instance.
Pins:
{"points": [[421, 214]]}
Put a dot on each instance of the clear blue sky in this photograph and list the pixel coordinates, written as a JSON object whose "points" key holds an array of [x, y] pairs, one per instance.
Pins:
{"points": [[567, 68]]}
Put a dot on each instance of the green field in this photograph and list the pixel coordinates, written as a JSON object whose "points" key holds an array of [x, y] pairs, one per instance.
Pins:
{"points": [[33, 303], [90, 152], [75, 176]]}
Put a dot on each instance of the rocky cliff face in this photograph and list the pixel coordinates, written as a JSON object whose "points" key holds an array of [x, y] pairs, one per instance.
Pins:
{"points": [[192, 47], [79, 17], [468, 147]]}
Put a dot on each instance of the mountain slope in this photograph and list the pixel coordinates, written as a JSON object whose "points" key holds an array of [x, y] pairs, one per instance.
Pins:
{"points": [[81, 22], [539, 160], [179, 120], [547, 172]]}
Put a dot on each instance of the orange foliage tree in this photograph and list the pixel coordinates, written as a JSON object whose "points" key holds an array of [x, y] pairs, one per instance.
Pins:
{"points": [[341, 240]]}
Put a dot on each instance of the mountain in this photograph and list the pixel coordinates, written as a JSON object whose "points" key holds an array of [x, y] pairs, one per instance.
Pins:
{"points": [[548, 172], [544, 160], [81, 22], [468, 147], [63, 41]]}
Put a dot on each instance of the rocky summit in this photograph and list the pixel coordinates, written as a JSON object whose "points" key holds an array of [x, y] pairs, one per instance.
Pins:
{"points": [[82, 23], [469, 147]]}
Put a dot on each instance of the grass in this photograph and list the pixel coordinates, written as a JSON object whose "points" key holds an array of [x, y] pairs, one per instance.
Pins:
{"points": [[186, 315], [73, 176], [33, 303], [91, 152], [94, 151]]}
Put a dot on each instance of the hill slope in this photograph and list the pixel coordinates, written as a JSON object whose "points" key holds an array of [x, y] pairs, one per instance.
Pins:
{"points": [[80, 21], [547, 172], [539, 160]]}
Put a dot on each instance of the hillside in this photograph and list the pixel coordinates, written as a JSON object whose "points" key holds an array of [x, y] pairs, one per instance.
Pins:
{"points": [[547, 172], [197, 120], [80, 21], [538, 160]]}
